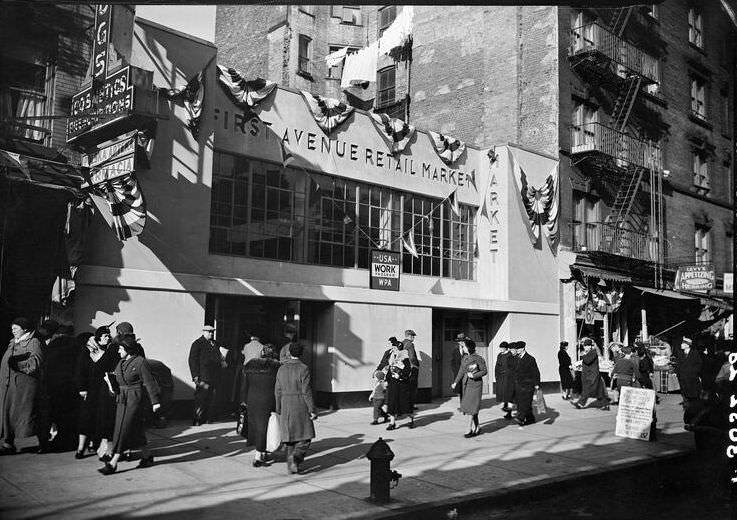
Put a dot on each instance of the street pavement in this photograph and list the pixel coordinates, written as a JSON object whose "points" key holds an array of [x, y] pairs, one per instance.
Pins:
{"points": [[206, 471]]}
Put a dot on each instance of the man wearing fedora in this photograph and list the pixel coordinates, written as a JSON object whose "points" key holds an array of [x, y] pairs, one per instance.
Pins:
{"points": [[409, 346], [689, 371], [455, 361], [526, 381], [205, 364]]}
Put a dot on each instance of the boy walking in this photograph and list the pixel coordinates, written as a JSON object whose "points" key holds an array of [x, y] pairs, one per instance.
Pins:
{"points": [[378, 396]]}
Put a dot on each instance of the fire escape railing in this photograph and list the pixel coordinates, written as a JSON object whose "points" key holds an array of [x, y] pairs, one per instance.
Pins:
{"points": [[625, 149], [608, 238]]}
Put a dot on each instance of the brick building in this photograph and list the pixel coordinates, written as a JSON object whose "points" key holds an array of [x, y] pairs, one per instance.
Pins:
{"points": [[637, 103]]}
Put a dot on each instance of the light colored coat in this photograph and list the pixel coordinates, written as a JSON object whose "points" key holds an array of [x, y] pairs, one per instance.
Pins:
{"points": [[20, 390], [293, 392]]}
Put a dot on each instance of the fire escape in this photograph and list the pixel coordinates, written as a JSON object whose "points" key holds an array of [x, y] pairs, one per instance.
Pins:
{"points": [[620, 153]]}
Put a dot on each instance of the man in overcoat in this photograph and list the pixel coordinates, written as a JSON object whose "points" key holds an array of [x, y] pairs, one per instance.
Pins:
{"points": [[294, 404], [526, 381], [205, 364], [689, 372], [455, 362], [592, 385]]}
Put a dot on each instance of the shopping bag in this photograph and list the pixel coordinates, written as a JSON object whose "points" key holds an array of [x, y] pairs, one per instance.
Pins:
{"points": [[273, 433], [539, 403], [613, 395], [241, 425]]}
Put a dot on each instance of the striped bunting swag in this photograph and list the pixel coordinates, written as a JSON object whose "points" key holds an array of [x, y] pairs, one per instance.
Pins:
{"points": [[193, 95], [396, 131], [448, 148], [244, 92], [329, 113], [126, 205]]}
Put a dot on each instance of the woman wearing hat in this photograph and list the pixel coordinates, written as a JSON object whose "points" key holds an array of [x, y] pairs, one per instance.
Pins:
{"points": [[97, 408], [20, 387], [470, 375], [565, 370], [592, 385], [399, 369], [132, 375]]}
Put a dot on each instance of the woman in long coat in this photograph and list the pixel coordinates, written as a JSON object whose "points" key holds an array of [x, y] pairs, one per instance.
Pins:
{"points": [[132, 375], [96, 419], [592, 385], [258, 382], [471, 373], [21, 372], [293, 393], [565, 365], [398, 369]]}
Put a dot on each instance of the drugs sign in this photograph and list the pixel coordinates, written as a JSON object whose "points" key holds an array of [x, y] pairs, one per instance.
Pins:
{"points": [[385, 267]]}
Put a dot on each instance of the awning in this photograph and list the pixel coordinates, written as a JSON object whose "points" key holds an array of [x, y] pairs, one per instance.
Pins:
{"points": [[665, 293], [600, 273]]}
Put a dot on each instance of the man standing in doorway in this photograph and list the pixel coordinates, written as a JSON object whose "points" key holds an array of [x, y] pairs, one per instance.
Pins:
{"points": [[455, 362], [526, 381], [205, 365], [290, 332], [409, 346]]}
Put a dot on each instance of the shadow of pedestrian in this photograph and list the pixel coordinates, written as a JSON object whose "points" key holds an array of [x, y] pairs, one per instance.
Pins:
{"points": [[495, 425], [426, 420], [549, 417]]}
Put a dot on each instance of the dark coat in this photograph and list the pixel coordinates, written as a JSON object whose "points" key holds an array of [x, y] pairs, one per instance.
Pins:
{"points": [[97, 411], [257, 391], [409, 346], [591, 383], [293, 393], [133, 374], [526, 377], [455, 360], [20, 388], [503, 373], [689, 371], [205, 361], [472, 386], [564, 369]]}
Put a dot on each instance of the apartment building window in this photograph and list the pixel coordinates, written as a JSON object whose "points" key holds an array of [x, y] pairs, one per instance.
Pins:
{"points": [[386, 86], [698, 97], [305, 54], [262, 210], [702, 244], [386, 16], [695, 28], [348, 14], [23, 94], [582, 32], [336, 72], [586, 218], [583, 127], [700, 169]]}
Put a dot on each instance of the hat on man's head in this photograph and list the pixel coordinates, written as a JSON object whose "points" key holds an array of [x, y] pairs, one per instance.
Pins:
{"points": [[513, 345], [410, 332], [687, 341], [208, 328], [627, 350], [461, 337], [563, 343], [587, 341], [521, 344], [503, 344], [124, 328]]}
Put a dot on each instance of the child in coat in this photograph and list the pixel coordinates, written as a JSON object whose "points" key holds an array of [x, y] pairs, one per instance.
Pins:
{"points": [[377, 397]]}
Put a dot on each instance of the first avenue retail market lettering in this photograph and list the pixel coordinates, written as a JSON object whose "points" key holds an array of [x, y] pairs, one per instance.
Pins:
{"points": [[296, 140]]}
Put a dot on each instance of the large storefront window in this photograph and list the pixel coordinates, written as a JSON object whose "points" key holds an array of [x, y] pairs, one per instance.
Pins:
{"points": [[264, 211]]}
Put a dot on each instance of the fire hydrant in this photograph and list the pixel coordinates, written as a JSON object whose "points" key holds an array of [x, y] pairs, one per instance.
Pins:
{"points": [[382, 478]]}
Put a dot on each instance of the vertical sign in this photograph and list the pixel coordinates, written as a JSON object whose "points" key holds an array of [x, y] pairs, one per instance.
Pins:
{"points": [[385, 266], [728, 283], [103, 19], [635, 413]]}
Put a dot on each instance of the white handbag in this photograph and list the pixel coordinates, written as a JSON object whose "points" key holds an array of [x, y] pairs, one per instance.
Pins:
{"points": [[273, 433]]}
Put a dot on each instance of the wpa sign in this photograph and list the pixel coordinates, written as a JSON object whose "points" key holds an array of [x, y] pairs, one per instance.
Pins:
{"points": [[385, 267]]}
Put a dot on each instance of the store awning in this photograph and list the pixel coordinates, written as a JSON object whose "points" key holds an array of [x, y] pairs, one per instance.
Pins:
{"points": [[665, 293], [601, 273]]}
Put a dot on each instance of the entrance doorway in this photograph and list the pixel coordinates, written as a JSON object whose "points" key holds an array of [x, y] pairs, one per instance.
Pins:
{"points": [[446, 326]]}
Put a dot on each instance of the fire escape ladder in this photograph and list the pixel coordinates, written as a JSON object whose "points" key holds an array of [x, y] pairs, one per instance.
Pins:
{"points": [[625, 198], [625, 102], [620, 17]]}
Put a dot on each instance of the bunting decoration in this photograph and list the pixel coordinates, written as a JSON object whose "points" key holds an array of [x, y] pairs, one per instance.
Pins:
{"points": [[448, 148], [244, 92], [395, 131], [329, 113], [193, 96], [540, 204], [126, 205], [453, 199], [409, 243]]}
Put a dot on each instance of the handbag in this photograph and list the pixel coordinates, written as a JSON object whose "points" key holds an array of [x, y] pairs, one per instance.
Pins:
{"points": [[539, 402], [241, 425], [273, 433]]}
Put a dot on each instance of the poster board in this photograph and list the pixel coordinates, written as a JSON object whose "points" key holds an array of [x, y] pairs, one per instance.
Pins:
{"points": [[635, 413]]}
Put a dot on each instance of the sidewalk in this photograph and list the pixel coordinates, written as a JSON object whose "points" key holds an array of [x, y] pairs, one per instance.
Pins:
{"points": [[206, 472]]}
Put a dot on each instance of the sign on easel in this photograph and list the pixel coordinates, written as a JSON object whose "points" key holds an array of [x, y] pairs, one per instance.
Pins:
{"points": [[635, 413]]}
